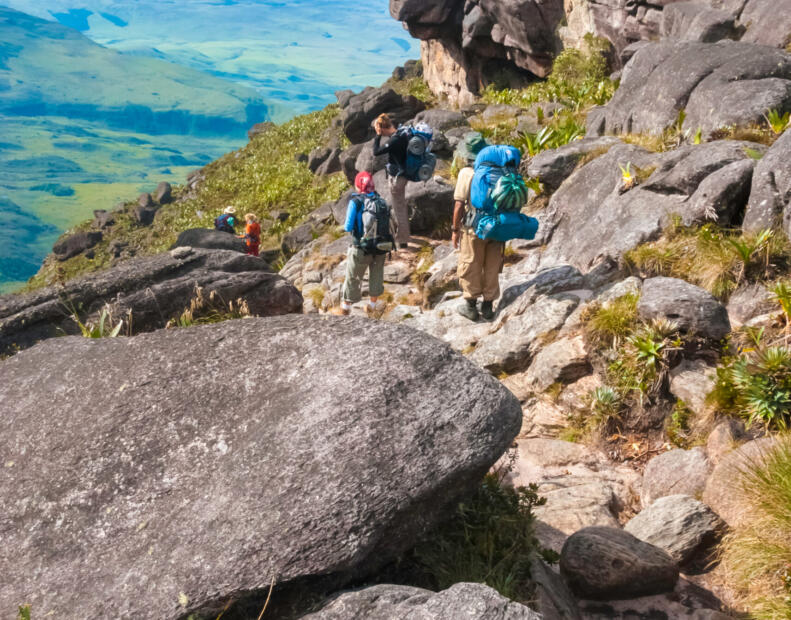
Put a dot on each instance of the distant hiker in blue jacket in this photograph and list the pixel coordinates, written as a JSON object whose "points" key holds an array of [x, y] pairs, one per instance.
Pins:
{"points": [[370, 221], [227, 221]]}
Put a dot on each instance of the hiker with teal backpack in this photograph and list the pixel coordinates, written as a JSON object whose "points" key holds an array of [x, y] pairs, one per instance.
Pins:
{"points": [[227, 221], [410, 159], [370, 221], [489, 196]]}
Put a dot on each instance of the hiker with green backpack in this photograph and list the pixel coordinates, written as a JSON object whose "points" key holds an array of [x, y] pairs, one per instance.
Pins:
{"points": [[371, 223], [489, 196]]}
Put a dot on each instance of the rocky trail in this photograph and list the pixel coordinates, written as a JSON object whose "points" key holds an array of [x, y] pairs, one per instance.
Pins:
{"points": [[188, 470]]}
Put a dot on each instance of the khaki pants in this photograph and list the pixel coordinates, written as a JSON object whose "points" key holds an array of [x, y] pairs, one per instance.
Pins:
{"points": [[399, 206], [357, 262], [480, 264]]}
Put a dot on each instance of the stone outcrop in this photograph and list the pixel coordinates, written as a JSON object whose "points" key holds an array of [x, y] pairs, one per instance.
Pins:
{"points": [[75, 244], [462, 600], [678, 472], [716, 84], [359, 111], [591, 219], [187, 467], [154, 289]]}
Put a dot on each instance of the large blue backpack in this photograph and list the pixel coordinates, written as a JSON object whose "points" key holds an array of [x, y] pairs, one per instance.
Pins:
{"points": [[497, 194], [491, 165], [221, 223], [420, 161]]}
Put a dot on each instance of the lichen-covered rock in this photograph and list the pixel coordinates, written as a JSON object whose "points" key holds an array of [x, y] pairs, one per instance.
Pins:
{"points": [[691, 382], [679, 524], [76, 244], [187, 467], [563, 361], [605, 562], [690, 307], [554, 166], [362, 109], [716, 84], [385, 602]]}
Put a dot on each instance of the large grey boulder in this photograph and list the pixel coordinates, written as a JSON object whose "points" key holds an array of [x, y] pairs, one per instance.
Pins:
{"points": [[188, 467], [363, 108], [209, 240], [592, 220], [367, 162], [609, 563], [679, 524], [154, 289], [690, 307], [716, 84], [770, 197], [678, 472], [768, 23], [748, 302], [385, 602]]}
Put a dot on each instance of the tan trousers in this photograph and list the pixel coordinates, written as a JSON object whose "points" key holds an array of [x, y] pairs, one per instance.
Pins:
{"points": [[400, 209], [480, 264]]}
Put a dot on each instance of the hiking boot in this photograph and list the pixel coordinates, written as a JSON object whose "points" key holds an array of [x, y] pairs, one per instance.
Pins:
{"points": [[403, 246], [469, 309], [487, 312]]}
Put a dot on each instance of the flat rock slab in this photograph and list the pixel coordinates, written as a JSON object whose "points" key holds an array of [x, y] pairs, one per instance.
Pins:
{"points": [[582, 487], [386, 602], [604, 562], [185, 467]]}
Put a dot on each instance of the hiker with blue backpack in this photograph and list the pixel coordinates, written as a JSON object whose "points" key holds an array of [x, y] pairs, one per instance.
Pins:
{"points": [[227, 221], [370, 221], [489, 196], [410, 159]]}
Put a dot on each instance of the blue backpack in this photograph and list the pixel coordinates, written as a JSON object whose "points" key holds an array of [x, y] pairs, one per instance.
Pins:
{"points": [[491, 224], [420, 161], [221, 223], [491, 165]]}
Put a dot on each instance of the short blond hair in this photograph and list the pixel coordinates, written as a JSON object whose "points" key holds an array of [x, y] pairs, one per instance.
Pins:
{"points": [[251, 217], [383, 122]]}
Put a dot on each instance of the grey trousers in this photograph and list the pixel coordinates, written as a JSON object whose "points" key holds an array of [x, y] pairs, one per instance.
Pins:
{"points": [[399, 206], [357, 262]]}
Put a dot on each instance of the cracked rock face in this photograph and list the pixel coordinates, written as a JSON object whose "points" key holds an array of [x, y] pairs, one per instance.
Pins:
{"points": [[716, 84], [143, 486]]}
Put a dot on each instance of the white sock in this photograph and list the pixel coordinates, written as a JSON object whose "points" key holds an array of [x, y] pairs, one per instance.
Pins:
{"points": [[372, 305], [346, 305]]}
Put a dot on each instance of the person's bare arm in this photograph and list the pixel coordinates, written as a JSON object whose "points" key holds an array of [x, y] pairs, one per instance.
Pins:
{"points": [[458, 216]]}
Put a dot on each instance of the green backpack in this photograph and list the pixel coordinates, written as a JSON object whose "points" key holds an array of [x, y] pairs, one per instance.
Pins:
{"points": [[510, 193]]}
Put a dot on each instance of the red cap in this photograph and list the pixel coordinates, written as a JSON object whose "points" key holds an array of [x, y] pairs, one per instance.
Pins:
{"points": [[364, 183]]}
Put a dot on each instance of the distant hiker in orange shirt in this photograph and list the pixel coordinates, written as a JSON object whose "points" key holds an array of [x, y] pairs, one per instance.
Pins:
{"points": [[252, 235]]}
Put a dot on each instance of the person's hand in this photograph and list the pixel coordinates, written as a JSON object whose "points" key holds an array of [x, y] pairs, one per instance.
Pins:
{"points": [[378, 130], [455, 239]]}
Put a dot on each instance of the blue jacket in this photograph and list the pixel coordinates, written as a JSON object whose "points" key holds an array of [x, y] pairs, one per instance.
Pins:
{"points": [[354, 216]]}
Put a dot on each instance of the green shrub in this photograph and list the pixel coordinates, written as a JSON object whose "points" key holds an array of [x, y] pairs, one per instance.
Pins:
{"points": [[756, 556], [24, 612], [677, 426], [105, 327], [205, 310], [490, 539], [756, 385], [578, 80]]}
